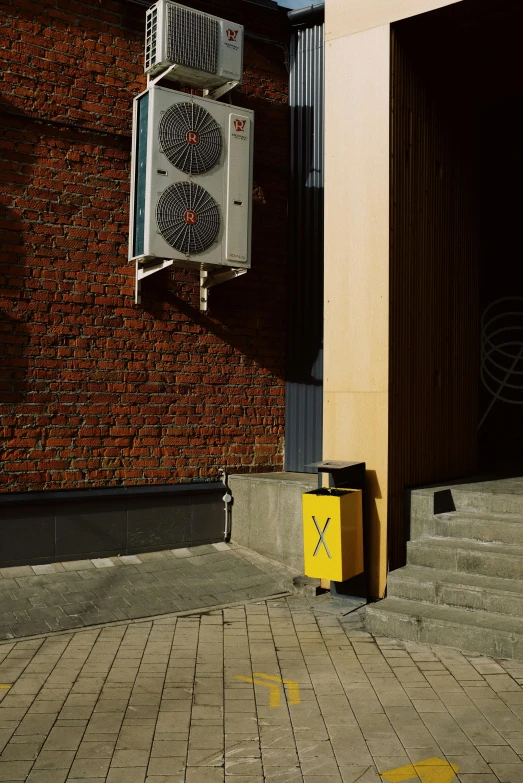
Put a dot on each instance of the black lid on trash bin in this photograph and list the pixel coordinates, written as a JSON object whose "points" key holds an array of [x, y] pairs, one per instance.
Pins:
{"points": [[333, 491], [344, 474]]}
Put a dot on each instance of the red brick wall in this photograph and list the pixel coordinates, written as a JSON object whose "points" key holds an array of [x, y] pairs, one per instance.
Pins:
{"points": [[95, 391]]}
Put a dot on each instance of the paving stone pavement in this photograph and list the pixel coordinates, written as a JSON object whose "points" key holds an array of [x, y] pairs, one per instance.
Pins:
{"points": [[60, 596], [199, 698]]}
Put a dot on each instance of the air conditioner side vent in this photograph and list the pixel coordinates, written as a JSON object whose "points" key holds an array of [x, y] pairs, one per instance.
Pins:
{"points": [[151, 37], [192, 39]]}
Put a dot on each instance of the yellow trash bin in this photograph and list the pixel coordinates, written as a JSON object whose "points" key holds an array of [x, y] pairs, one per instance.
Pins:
{"points": [[333, 533]]}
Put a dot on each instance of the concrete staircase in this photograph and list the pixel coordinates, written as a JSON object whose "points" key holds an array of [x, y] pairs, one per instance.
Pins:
{"points": [[463, 582]]}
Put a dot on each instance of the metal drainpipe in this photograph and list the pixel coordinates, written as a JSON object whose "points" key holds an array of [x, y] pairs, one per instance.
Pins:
{"points": [[227, 499]]}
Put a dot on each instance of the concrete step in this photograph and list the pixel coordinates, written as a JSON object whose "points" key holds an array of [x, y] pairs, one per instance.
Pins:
{"points": [[497, 497], [463, 585], [484, 633], [477, 526], [467, 591], [472, 557]]}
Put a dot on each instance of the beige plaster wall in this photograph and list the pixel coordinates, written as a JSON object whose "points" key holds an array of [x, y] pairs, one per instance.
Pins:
{"points": [[344, 17], [356, 265], [357, 112]]}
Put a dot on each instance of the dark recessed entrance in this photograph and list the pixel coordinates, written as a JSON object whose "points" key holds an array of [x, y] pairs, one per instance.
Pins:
{"points": [[456, 168]]}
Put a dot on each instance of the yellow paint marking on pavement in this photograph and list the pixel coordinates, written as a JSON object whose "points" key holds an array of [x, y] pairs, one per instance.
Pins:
{"points": [[292, 686], [4, 687], [260, 678], [274, 697], [433, 770]]}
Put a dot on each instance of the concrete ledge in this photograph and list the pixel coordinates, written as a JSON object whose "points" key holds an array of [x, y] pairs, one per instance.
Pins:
{"points": [[266, 514]]}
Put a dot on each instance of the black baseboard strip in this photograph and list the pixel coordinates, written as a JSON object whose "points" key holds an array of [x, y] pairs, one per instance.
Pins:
{"points": [[46, 527]]}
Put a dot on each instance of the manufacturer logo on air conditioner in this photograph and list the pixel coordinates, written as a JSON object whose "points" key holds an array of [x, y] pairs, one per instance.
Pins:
{"points": [[239, 125], [232, 35], [192, 137], [190, 217]]}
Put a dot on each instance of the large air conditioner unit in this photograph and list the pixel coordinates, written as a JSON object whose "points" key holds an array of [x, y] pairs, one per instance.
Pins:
{"points": [[192, 47], [191, 188]]}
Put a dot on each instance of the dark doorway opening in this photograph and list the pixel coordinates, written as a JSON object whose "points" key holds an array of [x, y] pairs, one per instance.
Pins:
{"points": [[456, 169], [500, 425]]}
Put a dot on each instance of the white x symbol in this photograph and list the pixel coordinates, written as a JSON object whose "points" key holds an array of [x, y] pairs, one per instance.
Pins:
{"points": [[321, 534]]}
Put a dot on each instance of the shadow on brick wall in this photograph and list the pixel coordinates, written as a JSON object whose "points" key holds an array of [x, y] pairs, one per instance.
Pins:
{"points": [[14, 336], [249, 314], [14, 362]]}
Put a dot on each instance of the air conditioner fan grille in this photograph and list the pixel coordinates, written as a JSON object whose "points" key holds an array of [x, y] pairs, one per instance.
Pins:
{"points": [[188, 218], [190, 138]]}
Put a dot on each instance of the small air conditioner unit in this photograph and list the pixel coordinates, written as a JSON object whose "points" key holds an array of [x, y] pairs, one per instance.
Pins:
{"points": [[191, 187], [198, 49]]}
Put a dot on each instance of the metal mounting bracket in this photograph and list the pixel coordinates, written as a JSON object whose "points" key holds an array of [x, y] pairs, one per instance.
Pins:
{"points": [[151, 80], [212, 94], [219, 91], [208, 280], [144, 268]]}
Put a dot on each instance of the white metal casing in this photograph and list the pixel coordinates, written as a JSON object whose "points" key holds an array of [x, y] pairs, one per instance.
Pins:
{"points": [[206, 51], [229, 182]]}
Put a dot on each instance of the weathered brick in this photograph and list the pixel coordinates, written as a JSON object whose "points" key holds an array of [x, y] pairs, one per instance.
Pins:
{"points": [[93, 390]]}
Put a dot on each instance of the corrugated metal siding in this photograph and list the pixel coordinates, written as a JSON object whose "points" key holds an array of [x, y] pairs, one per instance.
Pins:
{"points": [[304, 390], [433, 292]]}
